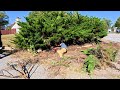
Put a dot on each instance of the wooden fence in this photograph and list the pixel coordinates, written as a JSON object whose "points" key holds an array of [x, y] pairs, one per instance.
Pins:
{"points": [[5, 32]]}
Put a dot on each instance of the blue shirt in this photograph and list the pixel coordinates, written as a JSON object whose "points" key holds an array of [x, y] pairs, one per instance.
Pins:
{"points": [[63, 45]]}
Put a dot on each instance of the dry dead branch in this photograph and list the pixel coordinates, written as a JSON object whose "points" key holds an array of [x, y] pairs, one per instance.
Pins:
{"points": [[24, 68]]}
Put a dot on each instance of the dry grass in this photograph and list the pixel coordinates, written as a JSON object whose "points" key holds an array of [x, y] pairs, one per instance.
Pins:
{"points": [[72, 61], [6, 40], [23, 55], [70, 65]]}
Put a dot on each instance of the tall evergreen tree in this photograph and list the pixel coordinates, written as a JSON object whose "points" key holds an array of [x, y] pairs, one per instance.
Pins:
{"points": [[44, 29], [117, 23], [107, 22], [3, 21]]}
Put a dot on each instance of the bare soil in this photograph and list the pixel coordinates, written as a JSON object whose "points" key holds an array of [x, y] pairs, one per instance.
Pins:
{"points": [[70, 67]]}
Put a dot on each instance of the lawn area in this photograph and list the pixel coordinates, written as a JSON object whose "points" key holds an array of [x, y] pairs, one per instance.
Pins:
{"points": [[6, 40]]}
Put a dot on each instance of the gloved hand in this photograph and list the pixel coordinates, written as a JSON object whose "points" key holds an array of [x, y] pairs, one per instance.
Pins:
{"points": [[55, 49]]}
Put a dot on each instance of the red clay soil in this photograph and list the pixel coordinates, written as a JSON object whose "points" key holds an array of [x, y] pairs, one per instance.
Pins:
{"points": [[72, 52]]}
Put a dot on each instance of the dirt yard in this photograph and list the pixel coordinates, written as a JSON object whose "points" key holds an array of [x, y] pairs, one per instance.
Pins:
{"points": [[70, 67]]}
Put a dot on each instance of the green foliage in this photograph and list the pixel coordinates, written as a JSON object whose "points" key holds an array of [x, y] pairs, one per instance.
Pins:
{"points": [[8, 28], [117, 23], [3, 18], [44, 29], [88, 51], [94, 51], [107, 22], [3, 21], [100, 52], [111, 52], [90, 63], [99, 56]]}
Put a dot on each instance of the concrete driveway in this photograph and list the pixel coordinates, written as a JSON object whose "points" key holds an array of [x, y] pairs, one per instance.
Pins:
{"points": [[113, 37]]}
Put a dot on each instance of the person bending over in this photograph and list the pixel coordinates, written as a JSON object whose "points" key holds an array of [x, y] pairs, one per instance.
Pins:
{"points": [[63, 49]]}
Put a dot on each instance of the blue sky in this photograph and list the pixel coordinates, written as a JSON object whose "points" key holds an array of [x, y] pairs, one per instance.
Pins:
{"points": [[112, 15], [14, 14]]}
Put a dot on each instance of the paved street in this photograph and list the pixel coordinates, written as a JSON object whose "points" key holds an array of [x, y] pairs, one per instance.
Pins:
{"points": [[113, 37]]}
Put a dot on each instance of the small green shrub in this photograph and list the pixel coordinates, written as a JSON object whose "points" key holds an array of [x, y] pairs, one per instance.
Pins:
{"points": [[111, 53], [91, 51], [98, 52], [90, 63], [88, 51], [103, 55]]}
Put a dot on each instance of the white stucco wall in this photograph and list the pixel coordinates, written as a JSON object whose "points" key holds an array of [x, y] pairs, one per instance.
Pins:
{"points": [[16, 26]]}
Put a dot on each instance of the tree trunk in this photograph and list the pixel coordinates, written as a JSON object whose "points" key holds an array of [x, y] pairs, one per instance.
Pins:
{"points": [[0, 39]]}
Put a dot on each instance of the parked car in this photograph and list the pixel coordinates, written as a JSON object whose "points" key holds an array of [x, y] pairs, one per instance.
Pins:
{"points": [[118, 30]]}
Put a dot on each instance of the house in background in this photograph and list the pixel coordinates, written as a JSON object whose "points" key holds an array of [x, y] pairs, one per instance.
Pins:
{"points": [[15, 25], [115, 29], [109, 30]]}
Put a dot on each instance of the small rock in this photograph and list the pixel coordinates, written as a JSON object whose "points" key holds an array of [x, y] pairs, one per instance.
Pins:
{"points": [[8, 48], [39, 50]]}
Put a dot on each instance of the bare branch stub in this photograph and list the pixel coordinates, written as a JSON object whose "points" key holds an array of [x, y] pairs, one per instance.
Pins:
{"points": [[23, 67]]}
